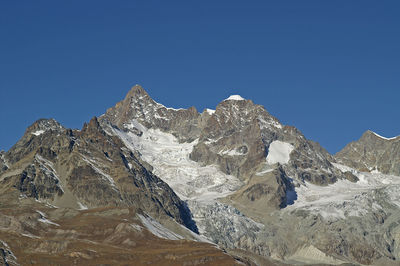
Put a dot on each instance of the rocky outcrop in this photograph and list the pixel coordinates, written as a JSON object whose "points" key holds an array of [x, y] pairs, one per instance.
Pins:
{"points": [[372, 153], [265, 192], [3, 164]]}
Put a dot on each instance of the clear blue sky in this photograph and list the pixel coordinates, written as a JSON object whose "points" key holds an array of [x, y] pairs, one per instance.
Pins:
{"points": [[330, 68]]}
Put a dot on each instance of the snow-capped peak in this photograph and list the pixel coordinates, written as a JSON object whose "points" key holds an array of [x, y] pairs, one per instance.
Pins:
{"points": [[235, 98]]}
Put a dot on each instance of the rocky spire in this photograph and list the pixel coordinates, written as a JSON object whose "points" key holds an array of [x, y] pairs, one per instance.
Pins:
{"points": [[139, 106]]}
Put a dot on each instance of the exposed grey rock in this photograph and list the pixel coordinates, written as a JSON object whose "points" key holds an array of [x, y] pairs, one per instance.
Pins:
{"points": [[372, 152], [3, 164]]}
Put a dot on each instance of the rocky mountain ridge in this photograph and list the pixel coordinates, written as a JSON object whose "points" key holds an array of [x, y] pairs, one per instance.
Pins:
{"points": [[234, 176]]}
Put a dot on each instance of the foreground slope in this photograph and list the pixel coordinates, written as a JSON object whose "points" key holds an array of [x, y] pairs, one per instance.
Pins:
{"points": [[34, 234]]}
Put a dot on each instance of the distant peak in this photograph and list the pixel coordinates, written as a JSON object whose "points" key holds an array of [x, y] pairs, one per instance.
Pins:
{"points": [[379, 136], [136, 93], [137, 89], [235, 98]]}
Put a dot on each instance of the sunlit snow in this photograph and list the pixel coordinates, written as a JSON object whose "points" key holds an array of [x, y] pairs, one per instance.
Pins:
{"points": [[345, 198], [43, 219], [376, 134], [279, 152], [38, 132], [235, 98], [210, 111], [171, 162]]}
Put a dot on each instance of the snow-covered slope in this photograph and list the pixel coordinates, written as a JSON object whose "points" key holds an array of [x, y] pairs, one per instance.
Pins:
{"points": [[171, 162], [200, 186], [344, 198]]}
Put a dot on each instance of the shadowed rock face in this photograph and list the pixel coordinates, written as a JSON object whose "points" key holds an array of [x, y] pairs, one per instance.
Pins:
{"points": [[89, 168], [372, 152]]}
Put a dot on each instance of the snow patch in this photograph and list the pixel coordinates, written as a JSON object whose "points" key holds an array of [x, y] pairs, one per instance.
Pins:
{"points": [[263, 172], [209, 111], [376, 134], [38, 132], [235, 98], [43, 219], [30, 236], [279, 152], [81, 206], [159, 105], [232, 152], [157, 229], [137, 227]]}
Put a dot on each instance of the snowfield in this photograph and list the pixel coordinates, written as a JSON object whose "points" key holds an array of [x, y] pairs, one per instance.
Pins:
{"points": [[171, 162], [344, 198]]}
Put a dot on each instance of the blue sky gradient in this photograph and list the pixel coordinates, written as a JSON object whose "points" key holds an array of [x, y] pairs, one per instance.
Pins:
{"points": [[330, 68]]}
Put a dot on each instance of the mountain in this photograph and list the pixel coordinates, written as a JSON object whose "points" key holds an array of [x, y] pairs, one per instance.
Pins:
{"points": [[59, 173], [152, 184], [372, 152]]}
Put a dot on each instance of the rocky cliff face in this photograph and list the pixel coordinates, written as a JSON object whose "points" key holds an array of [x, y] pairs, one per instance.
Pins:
{"points": [[372, 153]]}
